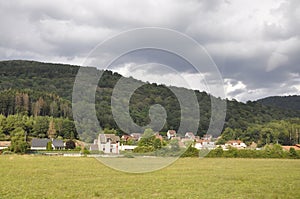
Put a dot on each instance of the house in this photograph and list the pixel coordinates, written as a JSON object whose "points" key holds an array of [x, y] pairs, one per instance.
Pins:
{"points": [[207, 137], [171, 133], [126, 137], [189, 135], [136, 136], [58, 144], [287, 148], [108, 143], [204, 144], [41, 144], [236, 144], [4, 144]]}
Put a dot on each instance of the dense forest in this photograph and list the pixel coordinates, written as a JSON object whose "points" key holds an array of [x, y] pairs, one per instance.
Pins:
{"points": [[38, 89], [285, 102]]}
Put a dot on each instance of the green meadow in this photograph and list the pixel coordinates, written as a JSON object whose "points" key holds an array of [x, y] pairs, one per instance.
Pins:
{"points": [[25, 176]]}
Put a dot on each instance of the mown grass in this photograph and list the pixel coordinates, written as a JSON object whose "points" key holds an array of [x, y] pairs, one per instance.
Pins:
{"points": [[66, 177]]}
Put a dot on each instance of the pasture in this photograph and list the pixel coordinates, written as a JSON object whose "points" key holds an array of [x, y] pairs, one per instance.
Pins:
{"points": [[25, 176]]}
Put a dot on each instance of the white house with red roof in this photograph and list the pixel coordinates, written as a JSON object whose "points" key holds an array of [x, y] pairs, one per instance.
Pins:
{"points": [[171, 134]]}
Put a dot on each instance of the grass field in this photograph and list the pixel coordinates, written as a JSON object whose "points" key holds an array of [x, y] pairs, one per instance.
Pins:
{"points": [[67, 177]]}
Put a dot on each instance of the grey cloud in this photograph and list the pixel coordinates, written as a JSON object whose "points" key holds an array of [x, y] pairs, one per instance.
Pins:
{"points": [[253, 42]]}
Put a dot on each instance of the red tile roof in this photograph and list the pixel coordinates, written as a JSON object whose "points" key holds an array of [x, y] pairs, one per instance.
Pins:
{"points": [[5, 143], [172, 132], [287, 148]]}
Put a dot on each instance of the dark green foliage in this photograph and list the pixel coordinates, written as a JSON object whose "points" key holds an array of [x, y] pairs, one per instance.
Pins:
{"points": [[217, 152], [70, 144], [36, 126], [148, 143], [18, 143], [284, 132], [49, 146], [285, 102], [293, 153], [269, 151], [29, 102], [86, 151]]}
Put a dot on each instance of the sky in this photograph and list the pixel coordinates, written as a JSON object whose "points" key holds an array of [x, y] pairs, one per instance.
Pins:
{"points": [[254, 44]]}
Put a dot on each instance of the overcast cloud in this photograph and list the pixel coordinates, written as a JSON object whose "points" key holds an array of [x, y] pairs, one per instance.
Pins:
{"points": [[255, 44]]}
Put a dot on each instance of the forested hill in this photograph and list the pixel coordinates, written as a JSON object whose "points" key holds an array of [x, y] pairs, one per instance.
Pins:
{"points": [[48, 87], [44, 77], [285, 102]]}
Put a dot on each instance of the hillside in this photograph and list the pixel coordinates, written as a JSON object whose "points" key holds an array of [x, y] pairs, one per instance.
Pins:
{"points": [[284, 102], [48, 81]]}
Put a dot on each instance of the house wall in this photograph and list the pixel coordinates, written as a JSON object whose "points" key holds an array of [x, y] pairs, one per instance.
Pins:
{"points": [[127, 147], [108, 147], [38, 148]]}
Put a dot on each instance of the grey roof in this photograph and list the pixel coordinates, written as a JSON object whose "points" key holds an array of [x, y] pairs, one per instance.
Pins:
{"points": [[39, 142], [36, 142], [58, 143]]}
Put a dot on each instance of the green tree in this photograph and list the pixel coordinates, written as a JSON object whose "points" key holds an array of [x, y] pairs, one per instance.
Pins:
{"points": [[49, 146], [40, 126], [147, 138], [190, 152], [70, 144], [18, 143], [157, 143], [293, 153]]}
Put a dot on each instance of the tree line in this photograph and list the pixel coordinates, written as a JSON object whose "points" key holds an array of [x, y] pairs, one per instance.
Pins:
{"points": [[284, 132], [35, 103], [39, 127]]}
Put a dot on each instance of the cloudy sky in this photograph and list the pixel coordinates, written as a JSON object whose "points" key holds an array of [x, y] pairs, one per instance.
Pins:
{"points": [[255, 44]]}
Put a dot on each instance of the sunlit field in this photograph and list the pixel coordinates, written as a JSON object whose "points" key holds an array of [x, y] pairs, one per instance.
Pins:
{"points": [[67, 177]]}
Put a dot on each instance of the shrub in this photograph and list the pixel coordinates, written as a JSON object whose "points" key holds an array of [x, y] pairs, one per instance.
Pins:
{"points": [[293, 153], [143, 149], [191, 152], [70, 144], [49, 146]]}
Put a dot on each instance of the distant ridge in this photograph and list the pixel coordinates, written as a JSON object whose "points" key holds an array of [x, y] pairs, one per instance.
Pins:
{"points": [[291, 102]]}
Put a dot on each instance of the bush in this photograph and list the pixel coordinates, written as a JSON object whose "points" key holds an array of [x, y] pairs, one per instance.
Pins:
{"points": [[143, 149], [8, 153], [49, 146], [70, 144], [191, 152], [269, 151], [86, 151], [293, 153], [218, 152]]}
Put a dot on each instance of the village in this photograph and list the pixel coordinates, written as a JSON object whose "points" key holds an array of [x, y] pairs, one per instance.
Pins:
{"points": [[113, 144]]}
